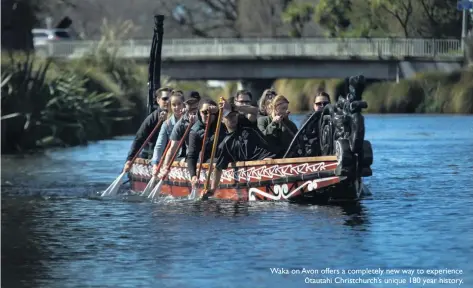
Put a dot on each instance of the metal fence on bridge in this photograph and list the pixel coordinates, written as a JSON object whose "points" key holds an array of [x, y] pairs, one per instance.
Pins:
{"points": [[333, 48]]}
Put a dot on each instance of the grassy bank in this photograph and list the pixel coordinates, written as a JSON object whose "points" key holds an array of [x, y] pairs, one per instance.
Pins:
{"points": [[52, 103], [432, 92]]}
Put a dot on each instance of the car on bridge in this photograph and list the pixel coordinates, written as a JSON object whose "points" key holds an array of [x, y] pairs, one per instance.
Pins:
{"points": [[43, 37]]}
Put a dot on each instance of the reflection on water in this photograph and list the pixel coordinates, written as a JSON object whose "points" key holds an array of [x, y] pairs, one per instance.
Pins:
{"points": [[56, 233]]}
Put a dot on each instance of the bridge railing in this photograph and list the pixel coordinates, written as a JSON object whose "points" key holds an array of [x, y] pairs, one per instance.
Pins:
{"points": [[256, 48]]}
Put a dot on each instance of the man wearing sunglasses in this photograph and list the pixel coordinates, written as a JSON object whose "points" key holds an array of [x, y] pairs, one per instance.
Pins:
{"points": [[311, 131], [241, 103], [162, 99]]}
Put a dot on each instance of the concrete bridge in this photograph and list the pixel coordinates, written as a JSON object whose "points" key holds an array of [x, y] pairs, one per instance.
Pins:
{"points": [[258, 62]]}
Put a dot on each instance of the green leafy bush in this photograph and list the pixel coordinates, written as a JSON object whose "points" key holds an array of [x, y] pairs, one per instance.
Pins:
{"points": [[431, 92], [37, 112]]}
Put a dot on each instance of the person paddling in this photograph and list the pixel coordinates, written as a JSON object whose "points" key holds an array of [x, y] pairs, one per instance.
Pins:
{"points": [[278, 129], [177, 109], [192, 106], [162, 98], [207, 109], [240, 144]]}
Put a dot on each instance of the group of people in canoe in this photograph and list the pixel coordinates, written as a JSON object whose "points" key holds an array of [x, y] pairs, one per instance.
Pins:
{"points": [[248, 133]]}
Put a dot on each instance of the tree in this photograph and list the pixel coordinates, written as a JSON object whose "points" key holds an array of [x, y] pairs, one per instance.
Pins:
{"points": [[228, 18], [441, 20], [334, 16], [260, 18], [298, 15], [204, 18], [400, 10], [18, 19], [389, 18]]}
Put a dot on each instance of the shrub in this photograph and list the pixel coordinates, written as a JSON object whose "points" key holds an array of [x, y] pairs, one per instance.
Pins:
{"points": [[432, 92], [39, 112]]}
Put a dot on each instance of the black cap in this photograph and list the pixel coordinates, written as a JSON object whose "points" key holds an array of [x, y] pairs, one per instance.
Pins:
{"points": [[192, 96]]}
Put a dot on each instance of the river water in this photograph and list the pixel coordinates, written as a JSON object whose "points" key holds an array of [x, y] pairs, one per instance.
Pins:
{"points": [[419, 216]]}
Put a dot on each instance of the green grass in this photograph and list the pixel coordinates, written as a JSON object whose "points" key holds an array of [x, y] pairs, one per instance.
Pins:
{"points": [[430, 92]]}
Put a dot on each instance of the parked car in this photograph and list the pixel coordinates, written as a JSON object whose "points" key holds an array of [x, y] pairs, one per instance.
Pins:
{"points": [[41, 38]]}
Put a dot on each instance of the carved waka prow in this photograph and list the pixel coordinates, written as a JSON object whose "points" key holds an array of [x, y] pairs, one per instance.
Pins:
{"points": [[339, 130], [342, 129]]}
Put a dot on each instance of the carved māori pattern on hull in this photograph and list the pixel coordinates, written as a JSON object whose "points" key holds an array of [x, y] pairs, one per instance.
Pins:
{"points": [[254, 173], [282, 192]]}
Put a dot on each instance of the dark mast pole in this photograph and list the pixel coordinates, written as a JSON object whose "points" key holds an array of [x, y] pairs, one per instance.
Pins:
{"points": [[154, 71]]}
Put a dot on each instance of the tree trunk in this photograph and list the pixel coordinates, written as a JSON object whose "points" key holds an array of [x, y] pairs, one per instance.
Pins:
{"points": [[18, 18]]}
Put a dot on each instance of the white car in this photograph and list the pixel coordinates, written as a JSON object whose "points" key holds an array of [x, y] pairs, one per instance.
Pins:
{"points": [[41, 37]]}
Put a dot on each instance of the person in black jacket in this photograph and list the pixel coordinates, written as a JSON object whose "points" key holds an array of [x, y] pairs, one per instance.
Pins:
{"points": [[240, 144], [162, 98], [321, 100], [192, 104], [196, 137], [311, 131], [248, 114]]}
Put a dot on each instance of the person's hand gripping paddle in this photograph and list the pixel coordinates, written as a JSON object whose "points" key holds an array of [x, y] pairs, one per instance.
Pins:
{"points": [[160, 183], [214, 150]]}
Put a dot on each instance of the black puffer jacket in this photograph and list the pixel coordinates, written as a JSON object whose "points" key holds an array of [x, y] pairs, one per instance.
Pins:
{"points": [[143, 132]]}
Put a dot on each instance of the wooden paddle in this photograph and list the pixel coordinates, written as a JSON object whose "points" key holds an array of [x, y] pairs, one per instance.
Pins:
{"points": [[288, 129], [202, 153], [113, 188], [149, 187], [160, 183], [214, 149]]}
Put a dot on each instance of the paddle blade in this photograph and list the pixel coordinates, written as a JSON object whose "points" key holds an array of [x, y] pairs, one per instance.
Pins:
{"points": [[113, 188], [149, 187], [156, 189], [193, 194]]}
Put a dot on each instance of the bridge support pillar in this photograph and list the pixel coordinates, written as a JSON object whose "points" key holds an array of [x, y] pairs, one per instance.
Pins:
{"points": [[256, 87]]}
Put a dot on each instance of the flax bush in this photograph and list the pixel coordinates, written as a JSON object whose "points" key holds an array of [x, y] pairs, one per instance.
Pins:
{"points": [[40, 111], [49, 102]]}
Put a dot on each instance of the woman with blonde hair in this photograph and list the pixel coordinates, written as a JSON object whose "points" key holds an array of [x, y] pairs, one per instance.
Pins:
{"points": [[264, 101], [278, 129]]}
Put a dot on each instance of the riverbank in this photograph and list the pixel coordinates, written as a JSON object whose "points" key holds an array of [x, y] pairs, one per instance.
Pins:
{"points": [[53, 103], [432, 92]]}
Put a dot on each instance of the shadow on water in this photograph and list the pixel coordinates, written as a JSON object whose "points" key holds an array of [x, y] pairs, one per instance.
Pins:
{"points": [[353, 213], [23, 253]]}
